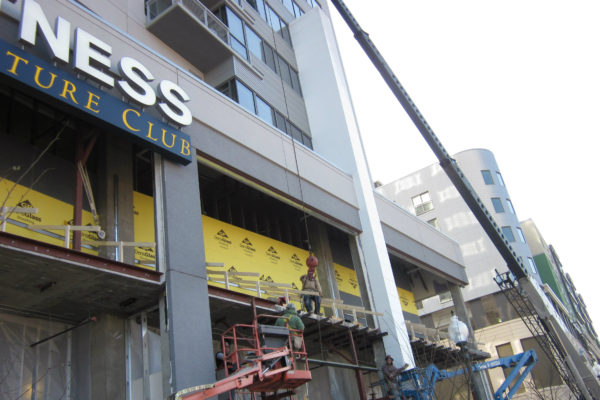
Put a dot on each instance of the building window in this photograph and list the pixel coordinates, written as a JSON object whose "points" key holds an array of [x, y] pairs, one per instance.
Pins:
{"points": [[508, 233], [520, 235], [293, 8], [278, 24], [422, 203], [510, 207], [258, 5], [487, 177], [245, 97], [532, 265], [433, 222], [264, 111], [497, 203], [499, 177], [445, 297], [254, 43], [245, 41], [236, 29]]}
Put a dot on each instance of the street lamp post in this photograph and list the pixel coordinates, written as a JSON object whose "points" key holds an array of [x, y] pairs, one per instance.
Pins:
{"points": [[459, 334]]}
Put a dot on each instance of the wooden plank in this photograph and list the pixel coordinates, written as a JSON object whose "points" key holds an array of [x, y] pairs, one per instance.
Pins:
{"points": [[213, 264], [234, 273]]}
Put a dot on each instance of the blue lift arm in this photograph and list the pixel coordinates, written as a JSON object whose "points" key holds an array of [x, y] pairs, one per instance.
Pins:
{"points": [[424, 380]]}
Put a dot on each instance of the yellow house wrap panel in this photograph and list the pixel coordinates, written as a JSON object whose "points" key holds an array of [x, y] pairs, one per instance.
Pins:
{"points": [[51, 211], [244, 251]]}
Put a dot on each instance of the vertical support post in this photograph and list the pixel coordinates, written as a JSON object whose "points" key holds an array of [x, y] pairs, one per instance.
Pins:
{"points": [[258, 288], [68, 366], [68, 237], [361, 386], [120, 244], [78, 200], [129, 388], [145, 357], [3, 218], [116, 212], [253, 303]]}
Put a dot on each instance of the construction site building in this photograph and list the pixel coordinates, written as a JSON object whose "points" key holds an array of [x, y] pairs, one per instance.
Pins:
{"points": [[165, 168]]}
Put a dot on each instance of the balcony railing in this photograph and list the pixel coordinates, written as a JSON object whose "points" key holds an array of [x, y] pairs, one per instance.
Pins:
{"points": [[154, 8], [192, 30]]}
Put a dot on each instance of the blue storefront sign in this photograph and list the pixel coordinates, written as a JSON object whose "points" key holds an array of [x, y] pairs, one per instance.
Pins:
{"points": [[44, 77]]}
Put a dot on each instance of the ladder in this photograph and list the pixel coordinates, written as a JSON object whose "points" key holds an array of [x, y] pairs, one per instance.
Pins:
{"points": [[548, 342]]}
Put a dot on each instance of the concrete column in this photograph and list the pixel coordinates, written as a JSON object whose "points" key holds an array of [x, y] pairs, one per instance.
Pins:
{"points": [[107, 358], [115, 195], [481, 386], [188, 313], [337, 138]]}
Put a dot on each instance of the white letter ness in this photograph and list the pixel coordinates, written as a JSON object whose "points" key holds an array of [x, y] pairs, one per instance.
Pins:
{"points": [[89, 48], [136, 80], [32, 16], [173, 107]]}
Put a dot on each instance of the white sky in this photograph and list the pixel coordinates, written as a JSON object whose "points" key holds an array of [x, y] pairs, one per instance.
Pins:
{"points": [[520, 78]]}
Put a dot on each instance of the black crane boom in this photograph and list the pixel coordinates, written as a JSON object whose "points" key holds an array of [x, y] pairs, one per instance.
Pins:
{"points": [[517, 286], [448, 163]]}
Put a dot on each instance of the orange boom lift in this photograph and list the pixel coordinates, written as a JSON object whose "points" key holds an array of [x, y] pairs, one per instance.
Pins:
{"points": [[263, 361]]}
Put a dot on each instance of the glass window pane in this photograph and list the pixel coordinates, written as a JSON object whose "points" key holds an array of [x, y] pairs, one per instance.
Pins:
{"points": [[532, 265], [297, 10], [288, 5], [307, 141], [498, 207], [510, 207], [280, 122], [261, 8], [508, 233], [273, 19], [254, 43], [269, 56], [239, 47], [521, 235], [226, 89], [500, 180], [295, 81], [235, 25], [487, 177], [284, 70], [285, 33], [264, 111], [245, 97], [296, 133]]}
